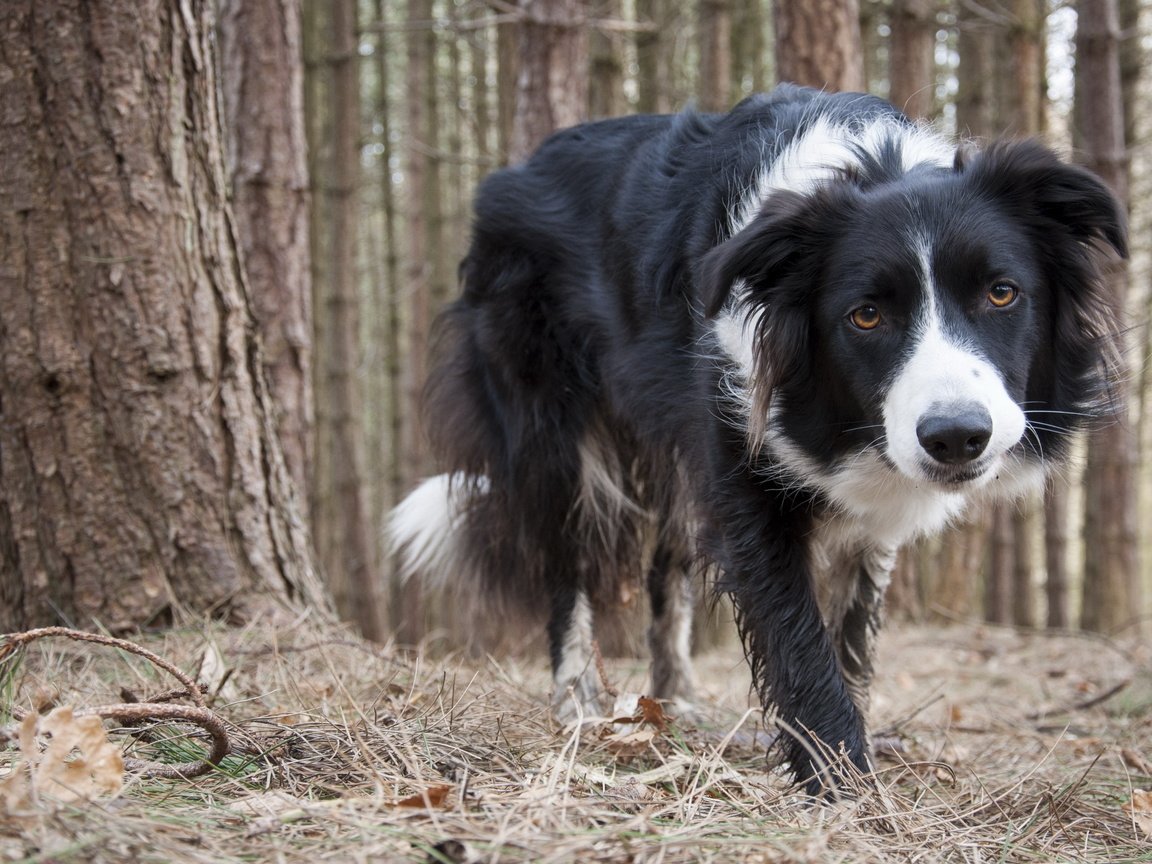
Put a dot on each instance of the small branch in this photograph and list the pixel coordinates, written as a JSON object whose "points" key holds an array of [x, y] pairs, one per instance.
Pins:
{"points": [[1080, 706], [137, 712], [13, 641]]}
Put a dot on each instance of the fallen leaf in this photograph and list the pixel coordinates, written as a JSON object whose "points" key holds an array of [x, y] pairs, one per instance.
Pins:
{"points": [[78, 763], [1136, 761], [1140, 809], [432, 798], [652, 713]]}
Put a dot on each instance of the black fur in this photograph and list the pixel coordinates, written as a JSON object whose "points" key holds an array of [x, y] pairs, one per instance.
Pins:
{"points": [[588, 292]]}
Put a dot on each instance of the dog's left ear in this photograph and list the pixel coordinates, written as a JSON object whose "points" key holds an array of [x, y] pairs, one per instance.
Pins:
{"points": [[1027, 174]]}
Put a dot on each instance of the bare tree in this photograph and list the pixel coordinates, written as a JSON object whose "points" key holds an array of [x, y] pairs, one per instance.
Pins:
{"points": [[818, 43], [140, 471], [1111, 597]]}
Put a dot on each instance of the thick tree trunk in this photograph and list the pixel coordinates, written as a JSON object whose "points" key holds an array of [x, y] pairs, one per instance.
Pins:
{"points": [[1112, 596], [552, 90], [818, 43], [140, 471], [263, 81]]}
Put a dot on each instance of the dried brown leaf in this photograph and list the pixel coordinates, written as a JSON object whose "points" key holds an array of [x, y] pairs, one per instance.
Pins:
{"points": [[431, 799], [1136, 761], [652, 713], [79, 763], [1140, 809]]}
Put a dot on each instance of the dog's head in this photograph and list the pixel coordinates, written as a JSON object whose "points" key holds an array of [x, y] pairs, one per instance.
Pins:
{"points": [[949, 318]]}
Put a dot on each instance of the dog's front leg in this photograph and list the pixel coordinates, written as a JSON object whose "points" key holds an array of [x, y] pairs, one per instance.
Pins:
{"points": [[762, 550]]}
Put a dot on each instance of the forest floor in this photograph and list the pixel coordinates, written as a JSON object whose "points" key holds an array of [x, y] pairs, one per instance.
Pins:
{"points": [[996, 745]]}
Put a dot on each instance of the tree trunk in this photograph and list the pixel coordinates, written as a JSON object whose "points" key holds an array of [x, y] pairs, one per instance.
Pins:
{"points": [[263, 100], [748, 49], [420, 193], [818, 43], [606, 77], [140, 471], [507, 74], [911, 56], [1111, 577], [1023, 570], [1056, 554], [998, 587], [715, 28], [1024, 99], [343, 537], [650, 75], [982, 43], [552, 90]]}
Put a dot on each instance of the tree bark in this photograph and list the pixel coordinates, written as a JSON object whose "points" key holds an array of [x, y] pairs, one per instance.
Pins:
{"points": [[911, 56], [1112, 596], [1056, 585], [650, 74], [552, 90], [1024, 99], [606, 77], [140, 471], [818, 43], [340, 516], [263, 99], [715, 28], [507, 74], [1023, 569], [975, 94]]}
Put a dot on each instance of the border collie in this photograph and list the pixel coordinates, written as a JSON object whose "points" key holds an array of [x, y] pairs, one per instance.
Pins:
{"points": [[781, 341]]}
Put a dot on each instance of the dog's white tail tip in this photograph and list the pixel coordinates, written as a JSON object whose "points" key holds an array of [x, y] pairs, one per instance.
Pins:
{"points": [[424, 531]]}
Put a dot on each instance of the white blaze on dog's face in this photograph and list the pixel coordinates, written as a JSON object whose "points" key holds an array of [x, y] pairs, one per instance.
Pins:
{"points": [[948, 416]]}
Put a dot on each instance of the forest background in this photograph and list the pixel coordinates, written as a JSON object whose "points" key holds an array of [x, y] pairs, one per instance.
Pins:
{"points": [[223, 251]]}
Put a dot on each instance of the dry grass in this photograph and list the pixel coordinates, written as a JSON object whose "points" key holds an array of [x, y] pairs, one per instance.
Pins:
{"points": [[346, 752]]}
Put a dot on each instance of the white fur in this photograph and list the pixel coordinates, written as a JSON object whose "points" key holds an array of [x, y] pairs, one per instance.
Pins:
{"points": [[825, 150], [423, 530], [942, 371], [577, 668], [818, 156], [877, 506]]}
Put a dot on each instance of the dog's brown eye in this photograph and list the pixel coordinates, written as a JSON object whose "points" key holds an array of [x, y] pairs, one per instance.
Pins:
{"points": [[1003, 294], [865, 318]]}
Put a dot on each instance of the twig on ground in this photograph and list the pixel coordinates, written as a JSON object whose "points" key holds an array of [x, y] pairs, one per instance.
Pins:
{"points": [[135, 712]]}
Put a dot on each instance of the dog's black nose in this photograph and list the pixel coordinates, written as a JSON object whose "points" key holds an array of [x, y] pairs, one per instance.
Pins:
{"points": [[953, 435]]}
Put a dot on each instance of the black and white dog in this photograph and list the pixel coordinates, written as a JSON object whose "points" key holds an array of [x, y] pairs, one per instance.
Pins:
{"points": [[783, 341]]}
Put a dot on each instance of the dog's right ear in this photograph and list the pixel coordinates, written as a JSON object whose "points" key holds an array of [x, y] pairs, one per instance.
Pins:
{"points": [[759, 255]]}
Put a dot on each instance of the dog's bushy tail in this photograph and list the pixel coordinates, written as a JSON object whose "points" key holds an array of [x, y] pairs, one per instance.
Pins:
{"points": [[427, 532]]}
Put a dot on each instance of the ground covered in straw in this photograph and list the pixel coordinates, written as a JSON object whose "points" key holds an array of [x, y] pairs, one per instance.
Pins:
{"points": [[994, 746]]}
